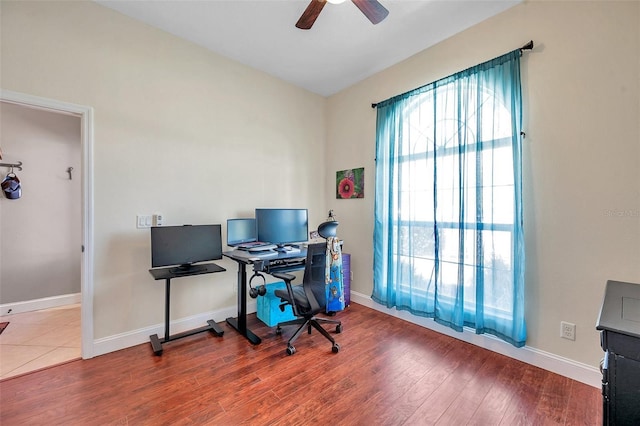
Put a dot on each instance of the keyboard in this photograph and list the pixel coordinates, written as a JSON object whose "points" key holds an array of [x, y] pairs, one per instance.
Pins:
{"points": [[252, 244], [264, 247], [279, 264]]}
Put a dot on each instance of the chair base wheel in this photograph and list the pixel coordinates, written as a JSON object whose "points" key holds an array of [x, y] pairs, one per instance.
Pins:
{"points": [[335, 348], [291, 350], [339, 328], [278, 331]]}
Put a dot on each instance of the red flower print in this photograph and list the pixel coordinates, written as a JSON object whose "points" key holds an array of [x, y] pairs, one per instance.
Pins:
{"points": [[346, 188]]}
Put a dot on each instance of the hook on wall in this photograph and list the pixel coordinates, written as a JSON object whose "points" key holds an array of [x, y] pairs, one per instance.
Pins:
{"points": [[17, 165], [69, 170]]}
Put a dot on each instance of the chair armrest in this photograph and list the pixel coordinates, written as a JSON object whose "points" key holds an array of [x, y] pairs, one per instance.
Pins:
{"points": [[287, 280], [285, 277]]}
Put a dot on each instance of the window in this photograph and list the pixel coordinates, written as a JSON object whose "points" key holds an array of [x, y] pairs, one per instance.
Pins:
{"points": [[448, 230]]}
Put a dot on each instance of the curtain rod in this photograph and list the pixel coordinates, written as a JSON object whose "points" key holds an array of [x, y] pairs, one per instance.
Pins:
{"points": [[528, 46]]}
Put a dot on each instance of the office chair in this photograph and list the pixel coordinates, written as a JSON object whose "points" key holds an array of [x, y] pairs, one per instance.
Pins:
{"points": [[309, 298]]}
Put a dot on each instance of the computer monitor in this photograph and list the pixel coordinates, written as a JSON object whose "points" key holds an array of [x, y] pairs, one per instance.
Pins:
{"points": [[241, 231], [185, 245], [282, 226]]}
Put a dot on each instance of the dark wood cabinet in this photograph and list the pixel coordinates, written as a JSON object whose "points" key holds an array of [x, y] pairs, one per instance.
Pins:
{"points": [[619, 323]]}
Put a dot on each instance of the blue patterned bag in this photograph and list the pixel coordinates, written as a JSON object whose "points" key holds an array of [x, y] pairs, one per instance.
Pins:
{"points": [[333, 276]]}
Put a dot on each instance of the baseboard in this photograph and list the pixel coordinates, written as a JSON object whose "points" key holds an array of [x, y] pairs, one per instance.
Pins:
{"points": [[136, 337], [565, 367], [38, 304]]}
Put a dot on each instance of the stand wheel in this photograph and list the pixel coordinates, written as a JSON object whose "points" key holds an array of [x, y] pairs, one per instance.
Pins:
{"points": [[335, 348], [291, 350], [278, 331], [339, 328]]}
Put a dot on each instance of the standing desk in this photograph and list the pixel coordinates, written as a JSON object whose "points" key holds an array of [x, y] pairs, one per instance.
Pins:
{"points": [[167, 274], [268, 263]]}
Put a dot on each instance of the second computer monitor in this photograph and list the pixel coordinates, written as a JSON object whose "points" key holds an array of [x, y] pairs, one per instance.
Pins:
{"points": [[241, 231], [282, 226]]}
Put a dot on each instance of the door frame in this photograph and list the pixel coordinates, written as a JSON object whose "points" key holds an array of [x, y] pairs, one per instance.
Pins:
{"points": [[85, 113]]}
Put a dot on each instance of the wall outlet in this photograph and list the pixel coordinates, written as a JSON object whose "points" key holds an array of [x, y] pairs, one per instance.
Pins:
{"points": [[567, 330], [143, 221], [158, 219]]}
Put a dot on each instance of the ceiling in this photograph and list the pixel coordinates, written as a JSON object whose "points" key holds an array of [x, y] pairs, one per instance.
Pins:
{"points": [[341, 49]]}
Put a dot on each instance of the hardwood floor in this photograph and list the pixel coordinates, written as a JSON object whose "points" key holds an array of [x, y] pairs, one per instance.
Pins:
{"points": [[388, 372]]}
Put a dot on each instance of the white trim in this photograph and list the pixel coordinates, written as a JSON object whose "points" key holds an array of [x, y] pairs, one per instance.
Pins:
{"points": [[565, 367], [86, 270], [140, 336], [38, 304]]}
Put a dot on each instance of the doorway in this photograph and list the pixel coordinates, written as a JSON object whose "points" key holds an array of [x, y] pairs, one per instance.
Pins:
{"points": [[84, 175]]}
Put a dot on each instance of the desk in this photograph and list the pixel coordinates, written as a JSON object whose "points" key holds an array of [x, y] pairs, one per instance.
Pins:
{"points": [[167, 274], [273, 262]]}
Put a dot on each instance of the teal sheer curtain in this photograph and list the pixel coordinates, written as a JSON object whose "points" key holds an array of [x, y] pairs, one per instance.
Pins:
{"points": [[448, 232]]}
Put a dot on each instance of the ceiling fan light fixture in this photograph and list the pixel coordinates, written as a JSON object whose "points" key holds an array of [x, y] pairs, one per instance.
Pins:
{"points": [[336, 1]]}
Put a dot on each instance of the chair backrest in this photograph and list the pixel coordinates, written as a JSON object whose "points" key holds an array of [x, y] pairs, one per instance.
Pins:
{"points": [[314, 273]]}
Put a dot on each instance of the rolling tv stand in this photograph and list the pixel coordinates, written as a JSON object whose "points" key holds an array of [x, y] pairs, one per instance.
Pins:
{"points": [[167, 274]]}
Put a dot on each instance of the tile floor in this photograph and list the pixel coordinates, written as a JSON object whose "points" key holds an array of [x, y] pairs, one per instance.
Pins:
{"points": [[39, 339]]}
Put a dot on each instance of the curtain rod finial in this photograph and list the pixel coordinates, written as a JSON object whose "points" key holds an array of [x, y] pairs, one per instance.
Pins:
{"points": [[527, 46]]}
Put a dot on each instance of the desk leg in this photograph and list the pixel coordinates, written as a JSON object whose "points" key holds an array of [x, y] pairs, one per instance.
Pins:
{"points": [[156, 343], [167, 298], [233, 322], [240, 323], [215, 328]]}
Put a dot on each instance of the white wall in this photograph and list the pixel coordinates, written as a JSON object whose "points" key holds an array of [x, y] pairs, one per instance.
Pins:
{"points": [[177, 130], [41, 231], [581, 155]]}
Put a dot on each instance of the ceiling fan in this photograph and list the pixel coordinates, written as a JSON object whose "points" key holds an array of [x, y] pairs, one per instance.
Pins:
{"points": [[372, 9]]}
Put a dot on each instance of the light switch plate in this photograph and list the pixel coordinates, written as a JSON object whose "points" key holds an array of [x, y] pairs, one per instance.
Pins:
{"points": [[143, 221]]}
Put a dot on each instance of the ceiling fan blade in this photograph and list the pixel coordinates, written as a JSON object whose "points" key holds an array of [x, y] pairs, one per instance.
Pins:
{"points": [[372, 9], [310, 14]]}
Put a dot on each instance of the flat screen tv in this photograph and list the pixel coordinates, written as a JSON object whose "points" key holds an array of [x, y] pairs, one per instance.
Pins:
{"points": [[241, 231], [183, 246], [282, 226]]}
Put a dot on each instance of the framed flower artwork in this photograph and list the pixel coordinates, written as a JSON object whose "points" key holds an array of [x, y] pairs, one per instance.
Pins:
{"points": [[350, 183]]}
